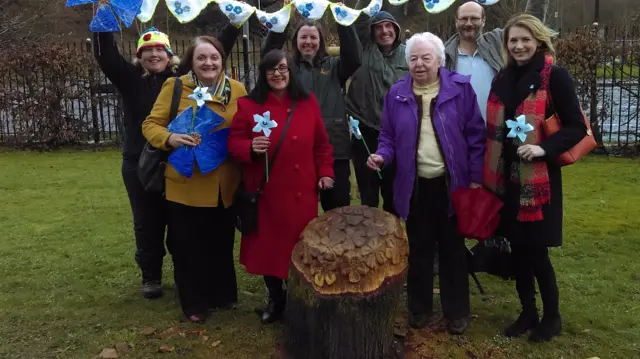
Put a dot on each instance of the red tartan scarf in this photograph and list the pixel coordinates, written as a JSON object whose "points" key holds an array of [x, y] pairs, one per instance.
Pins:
{"points": [[533, 177]]}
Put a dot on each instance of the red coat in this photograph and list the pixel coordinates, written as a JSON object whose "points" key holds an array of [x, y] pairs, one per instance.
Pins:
{"points": [[290, 198]]}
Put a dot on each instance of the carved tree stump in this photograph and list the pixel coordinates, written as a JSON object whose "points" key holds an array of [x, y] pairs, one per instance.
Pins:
{"points": [[345, 281]]}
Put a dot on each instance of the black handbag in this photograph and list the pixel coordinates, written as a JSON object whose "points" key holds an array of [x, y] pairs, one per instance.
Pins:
{"points": [[153, 161], [245, 203], [492, 256]]}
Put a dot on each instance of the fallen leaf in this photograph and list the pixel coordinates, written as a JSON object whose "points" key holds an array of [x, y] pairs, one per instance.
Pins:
{"points": [[436, 290], [204, 338], [148, 331], [594, 358], [166, 349], [197, 332], [122, 348], [216, 343], [168, 333], [109, 353]]}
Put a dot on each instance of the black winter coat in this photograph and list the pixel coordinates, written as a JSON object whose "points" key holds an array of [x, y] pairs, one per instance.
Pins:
{"points": [[138, 92], [513, 85]]}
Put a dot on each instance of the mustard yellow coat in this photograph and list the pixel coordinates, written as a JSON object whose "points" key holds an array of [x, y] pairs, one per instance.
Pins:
{"points": [[199, 190]]}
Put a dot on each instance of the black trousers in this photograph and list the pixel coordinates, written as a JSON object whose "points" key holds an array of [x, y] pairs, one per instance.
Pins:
{"points": [[275, 286], [149, 223], [429, 224], [533, 263], [369, 184], [201, 244], [340, 194]]}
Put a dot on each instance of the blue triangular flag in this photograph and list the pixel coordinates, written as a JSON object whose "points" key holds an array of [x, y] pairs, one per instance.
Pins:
{"points": [[127, 10], [104, 21], [80, 2]]}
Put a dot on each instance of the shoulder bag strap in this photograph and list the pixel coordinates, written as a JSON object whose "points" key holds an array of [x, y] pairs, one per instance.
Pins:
{"points": [[175, 99], [275, 152]]}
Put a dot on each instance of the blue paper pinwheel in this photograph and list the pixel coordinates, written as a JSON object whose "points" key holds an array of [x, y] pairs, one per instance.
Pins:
{"points": [[210, 152], [108, 13], [200, 95], [354, 128], [519, 128], [264, 124]]}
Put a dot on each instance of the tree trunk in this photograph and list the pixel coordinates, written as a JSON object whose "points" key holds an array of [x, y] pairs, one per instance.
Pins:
{"points": [[346, 277], [537, 8]]}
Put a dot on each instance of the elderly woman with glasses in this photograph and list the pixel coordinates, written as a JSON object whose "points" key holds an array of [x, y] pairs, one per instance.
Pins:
{"points": [[433, 129]]}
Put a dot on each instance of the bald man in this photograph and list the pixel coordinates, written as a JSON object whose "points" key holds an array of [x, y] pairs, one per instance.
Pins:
{"points": [[474, 53]]}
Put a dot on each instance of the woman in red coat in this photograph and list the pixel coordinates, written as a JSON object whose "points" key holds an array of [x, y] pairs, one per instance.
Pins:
{"points": [[303, 166]]}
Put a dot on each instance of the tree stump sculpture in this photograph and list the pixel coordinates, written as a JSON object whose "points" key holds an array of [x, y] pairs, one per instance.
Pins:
{"points": [[345, 280]]}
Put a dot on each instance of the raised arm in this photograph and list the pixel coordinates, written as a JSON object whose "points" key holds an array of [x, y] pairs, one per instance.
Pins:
{"points": [[362, 25], [350, 52], [475, 132], [387, 140], [228, 37], [117, 69], [241, 134], [274, 40], [154, 128], [567, 107]]}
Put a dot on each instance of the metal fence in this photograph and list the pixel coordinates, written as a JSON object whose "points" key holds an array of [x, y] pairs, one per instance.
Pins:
{"points": [[612, 101]]}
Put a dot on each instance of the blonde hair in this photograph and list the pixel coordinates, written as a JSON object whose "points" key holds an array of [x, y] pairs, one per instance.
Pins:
{"points": [[174, 63], [538, 30]]}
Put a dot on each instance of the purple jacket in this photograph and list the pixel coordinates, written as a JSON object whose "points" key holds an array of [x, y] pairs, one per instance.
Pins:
{"points": [[457, 123]]}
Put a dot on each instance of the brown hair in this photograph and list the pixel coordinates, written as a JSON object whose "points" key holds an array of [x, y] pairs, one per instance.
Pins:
{"points": [[186, 64], [538, 30], [322, 51]]}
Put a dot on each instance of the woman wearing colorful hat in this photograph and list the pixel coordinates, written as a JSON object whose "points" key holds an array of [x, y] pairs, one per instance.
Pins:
{"points": [[139, 83]]}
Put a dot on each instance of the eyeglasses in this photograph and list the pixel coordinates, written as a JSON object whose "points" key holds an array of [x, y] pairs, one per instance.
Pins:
{"points": [[282, 69], [473, 20]]}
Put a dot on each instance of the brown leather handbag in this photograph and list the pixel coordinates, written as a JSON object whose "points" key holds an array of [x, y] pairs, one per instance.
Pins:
{"points": [[586, 145]]}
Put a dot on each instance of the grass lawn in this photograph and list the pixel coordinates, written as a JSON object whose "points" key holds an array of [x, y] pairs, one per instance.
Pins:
{"points": [[69, 285]]}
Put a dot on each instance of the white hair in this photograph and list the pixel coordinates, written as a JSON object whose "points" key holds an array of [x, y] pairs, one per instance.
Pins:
{"points": [[429, 38]]}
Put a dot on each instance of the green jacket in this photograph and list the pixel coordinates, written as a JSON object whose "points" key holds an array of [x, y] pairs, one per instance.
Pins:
{"points": [[379, 71], [326, 79]]}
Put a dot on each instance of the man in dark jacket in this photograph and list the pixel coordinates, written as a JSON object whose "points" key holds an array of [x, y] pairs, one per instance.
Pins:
{"points": [[139, 84], [383, 63], [326, 76]]}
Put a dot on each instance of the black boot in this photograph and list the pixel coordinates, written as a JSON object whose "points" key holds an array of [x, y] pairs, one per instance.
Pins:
{"points": [[528, 318], [277, 301], [152, 284], [551, 323]]}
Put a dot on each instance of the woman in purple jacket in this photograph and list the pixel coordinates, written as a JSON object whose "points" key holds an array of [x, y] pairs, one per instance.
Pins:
{"points": [[433, 129]]}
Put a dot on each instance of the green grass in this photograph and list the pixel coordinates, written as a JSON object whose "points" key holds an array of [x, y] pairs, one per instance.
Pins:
{"points": [[69, 285], [624, 72]]}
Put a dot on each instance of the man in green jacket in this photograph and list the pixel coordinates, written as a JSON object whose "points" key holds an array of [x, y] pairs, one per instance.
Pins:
{"points": [[383, 63], [474, 53]]}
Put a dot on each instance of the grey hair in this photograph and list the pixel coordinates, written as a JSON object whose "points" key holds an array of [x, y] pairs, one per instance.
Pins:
{"points": [[429, 38]]}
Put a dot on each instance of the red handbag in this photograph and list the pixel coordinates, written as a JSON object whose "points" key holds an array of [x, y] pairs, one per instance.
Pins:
{"points": [[477, 212]]}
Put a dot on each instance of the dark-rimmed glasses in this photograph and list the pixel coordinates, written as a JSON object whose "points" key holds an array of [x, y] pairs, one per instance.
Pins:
{"points": [[282, 69]]}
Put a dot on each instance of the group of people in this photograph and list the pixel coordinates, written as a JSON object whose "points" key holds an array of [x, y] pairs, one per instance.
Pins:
{"points": [[435, 113]]}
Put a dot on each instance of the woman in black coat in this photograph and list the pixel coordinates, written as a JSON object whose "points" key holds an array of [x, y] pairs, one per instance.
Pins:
{"points": [[139, 83], [521, 168]]}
